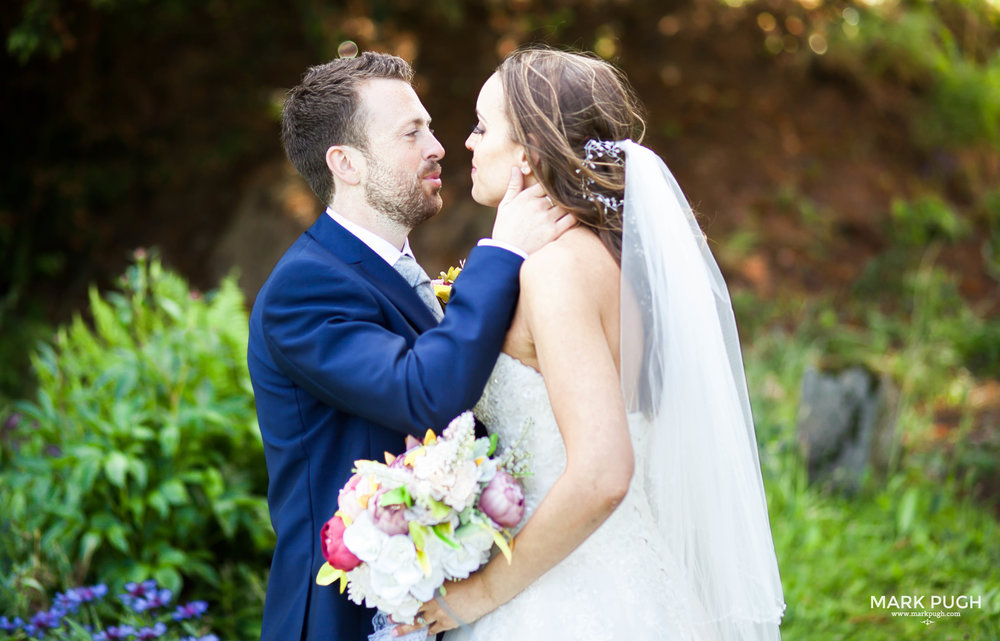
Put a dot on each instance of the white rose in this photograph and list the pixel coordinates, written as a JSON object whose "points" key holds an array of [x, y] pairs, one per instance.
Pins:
{"points": [[464, 561], [359, 583], [399, 558], [405, 610], [385, 587], [475, 545], [364, 539], [427, 586]]}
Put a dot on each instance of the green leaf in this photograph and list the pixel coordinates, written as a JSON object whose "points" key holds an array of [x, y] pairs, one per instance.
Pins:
{"points": [[419, 534], [443, 531], [174, 492], [159, 503], [172, 309], [907, 510], [439, 510], [173, 557], [85, 473], [228, 517], [116, 535], [89, 544], [169, 578], [398, 496], [328, 574], [169, 438], [137, 469], [108, 326], [115, 466]]}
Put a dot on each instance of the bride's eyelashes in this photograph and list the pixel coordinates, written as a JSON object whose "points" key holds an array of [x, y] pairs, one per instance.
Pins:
{"points": [[478, 130]]}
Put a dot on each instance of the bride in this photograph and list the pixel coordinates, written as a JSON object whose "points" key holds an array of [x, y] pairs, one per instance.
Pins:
{"points": [[622, 377]]}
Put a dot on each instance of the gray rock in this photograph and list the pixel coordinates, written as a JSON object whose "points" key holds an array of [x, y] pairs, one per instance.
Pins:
{"points": [[846, 425]]}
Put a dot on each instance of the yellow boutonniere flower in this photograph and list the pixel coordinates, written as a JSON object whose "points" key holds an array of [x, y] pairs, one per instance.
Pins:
{"points": [[442, 285]]}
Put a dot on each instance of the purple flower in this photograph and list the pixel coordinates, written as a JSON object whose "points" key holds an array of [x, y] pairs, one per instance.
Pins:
{"points": [[145, 634], [67, 602], [46, 620], [140, 590], [70, 601], [192, 610], [207, 637], [115, 633], [91, 593], [155, 599], [136, 591], [9, 626], [11, 423]]}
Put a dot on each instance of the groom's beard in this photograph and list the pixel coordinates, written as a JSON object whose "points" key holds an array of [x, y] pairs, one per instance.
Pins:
{"points": [[401, 197]]}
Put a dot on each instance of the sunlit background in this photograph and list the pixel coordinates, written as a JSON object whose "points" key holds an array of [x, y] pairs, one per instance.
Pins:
{"points": [[843, 158]]}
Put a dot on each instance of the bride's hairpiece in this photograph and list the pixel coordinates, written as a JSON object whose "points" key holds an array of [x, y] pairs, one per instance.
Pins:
{"points": [[603, 151]]}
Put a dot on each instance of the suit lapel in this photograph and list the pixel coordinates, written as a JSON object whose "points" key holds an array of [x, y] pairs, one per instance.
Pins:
{"points": [[353, 251]]}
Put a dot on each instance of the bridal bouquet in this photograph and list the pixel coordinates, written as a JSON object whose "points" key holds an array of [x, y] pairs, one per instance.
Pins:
{"points": [[429, 515]]}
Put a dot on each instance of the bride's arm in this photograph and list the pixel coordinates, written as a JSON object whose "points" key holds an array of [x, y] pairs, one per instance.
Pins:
{"points": [[563, 297]]}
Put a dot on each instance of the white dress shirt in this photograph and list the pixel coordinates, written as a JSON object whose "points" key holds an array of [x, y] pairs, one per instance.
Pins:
{"points": [[389, 252]]}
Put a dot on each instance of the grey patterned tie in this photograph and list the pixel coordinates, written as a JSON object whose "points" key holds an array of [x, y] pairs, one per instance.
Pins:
{"points": [[420, 282]]}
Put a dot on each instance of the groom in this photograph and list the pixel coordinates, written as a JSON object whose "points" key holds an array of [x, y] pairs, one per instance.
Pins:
{"points": [[346, 352]]}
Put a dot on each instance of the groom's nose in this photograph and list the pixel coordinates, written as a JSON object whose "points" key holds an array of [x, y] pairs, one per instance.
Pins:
{"points": [[434, 150]]}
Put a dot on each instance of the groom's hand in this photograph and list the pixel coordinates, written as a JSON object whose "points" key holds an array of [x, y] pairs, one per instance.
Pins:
{"points": [[527, 218]]}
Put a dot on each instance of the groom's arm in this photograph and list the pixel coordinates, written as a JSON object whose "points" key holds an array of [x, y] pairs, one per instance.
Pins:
{"points": [[329, 334]]}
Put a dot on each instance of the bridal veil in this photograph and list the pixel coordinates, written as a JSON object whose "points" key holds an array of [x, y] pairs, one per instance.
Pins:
{"points": [[682, 374]]}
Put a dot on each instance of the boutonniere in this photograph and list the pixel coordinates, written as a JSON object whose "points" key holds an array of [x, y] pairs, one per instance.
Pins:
{"points": [[442, 285]]}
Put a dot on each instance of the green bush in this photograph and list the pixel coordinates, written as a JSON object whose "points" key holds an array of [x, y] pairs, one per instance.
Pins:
{"points": [[925, 219], [991, 241], [946, 51], [914, 531], [140, 456]]}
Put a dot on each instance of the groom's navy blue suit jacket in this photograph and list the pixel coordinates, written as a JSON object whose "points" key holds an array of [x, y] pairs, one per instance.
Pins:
{"points": [[345, 359]]}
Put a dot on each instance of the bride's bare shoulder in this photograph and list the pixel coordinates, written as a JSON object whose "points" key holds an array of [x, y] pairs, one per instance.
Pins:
{"points": [[577, 259]]}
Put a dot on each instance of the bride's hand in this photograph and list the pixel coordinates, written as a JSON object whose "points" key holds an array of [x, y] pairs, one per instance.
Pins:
{"points": [[464, 599]]}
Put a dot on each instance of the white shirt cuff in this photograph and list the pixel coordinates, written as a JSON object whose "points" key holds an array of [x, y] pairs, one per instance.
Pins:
{"points": [[502, 245]]}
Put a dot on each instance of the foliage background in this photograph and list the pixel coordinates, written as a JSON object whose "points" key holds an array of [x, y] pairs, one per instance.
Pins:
{"points": [[844, 158]]}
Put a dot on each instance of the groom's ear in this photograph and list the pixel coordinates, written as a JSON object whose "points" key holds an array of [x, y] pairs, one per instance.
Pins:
{"points": [[344, 162]]}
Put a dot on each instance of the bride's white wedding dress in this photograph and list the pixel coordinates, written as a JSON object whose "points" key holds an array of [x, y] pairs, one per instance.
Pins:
{"points": [[697, 486], [620, 583]]}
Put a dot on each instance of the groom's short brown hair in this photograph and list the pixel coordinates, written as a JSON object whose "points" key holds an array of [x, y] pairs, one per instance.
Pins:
{"points": [[324, 110]]}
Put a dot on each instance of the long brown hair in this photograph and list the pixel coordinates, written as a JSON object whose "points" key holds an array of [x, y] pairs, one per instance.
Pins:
{"points": [[556, 101]]}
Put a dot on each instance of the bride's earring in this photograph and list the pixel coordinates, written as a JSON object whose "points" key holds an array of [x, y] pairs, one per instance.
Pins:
{"points": [[525, 170]]}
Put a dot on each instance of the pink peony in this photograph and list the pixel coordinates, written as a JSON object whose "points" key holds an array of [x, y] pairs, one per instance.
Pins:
{"points": [[347, 499], [332, 544], [503, 500], [390, 519]]}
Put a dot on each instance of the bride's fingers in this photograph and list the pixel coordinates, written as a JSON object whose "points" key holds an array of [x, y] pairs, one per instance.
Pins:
{"points": [[442, 623], [402, 629]]}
